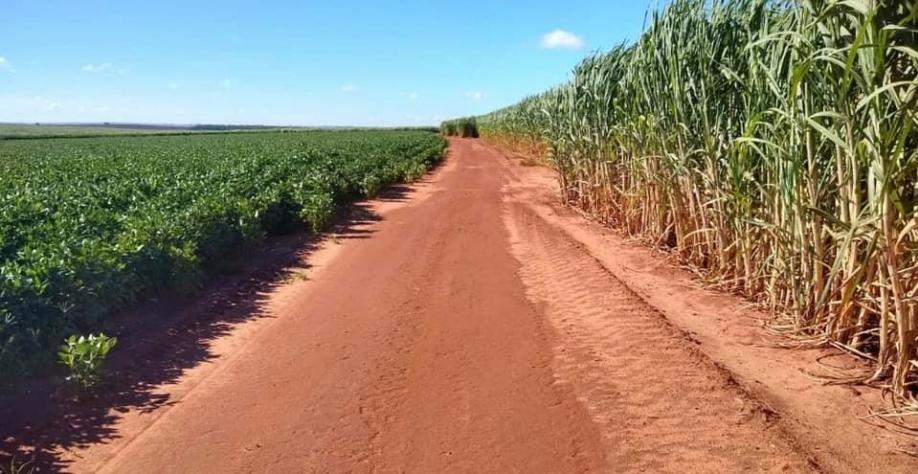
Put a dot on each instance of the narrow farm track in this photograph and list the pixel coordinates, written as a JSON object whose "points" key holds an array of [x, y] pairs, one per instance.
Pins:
{"points": [[460, 333]]}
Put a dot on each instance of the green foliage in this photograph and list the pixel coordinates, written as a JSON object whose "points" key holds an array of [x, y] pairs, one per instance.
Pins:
{"points": [[449, 128], [465, 127], [22, 131], [771, 144], [91, 225], [85, 356]]}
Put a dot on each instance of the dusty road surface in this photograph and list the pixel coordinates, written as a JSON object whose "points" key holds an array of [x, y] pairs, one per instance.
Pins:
{"points": [[461, 332]]}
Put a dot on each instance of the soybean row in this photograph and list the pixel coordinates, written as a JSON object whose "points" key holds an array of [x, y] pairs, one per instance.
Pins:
{"points": [[89, 226]]}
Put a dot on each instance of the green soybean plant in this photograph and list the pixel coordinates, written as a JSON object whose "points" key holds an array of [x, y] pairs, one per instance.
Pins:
{"points": [[85, 356], [90, 226]]}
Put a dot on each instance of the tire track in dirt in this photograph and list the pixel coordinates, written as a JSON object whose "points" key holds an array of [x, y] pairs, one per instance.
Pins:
{"points": [[660, 405], [414, 349], [827, 423], [463, 333], [467, 385]]}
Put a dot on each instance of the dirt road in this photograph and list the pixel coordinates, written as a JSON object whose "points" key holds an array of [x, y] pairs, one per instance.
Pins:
{"points": [[460, 333]]}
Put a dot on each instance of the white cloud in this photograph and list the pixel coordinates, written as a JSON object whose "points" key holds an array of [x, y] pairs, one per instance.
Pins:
{"points": [[474, 95], [96, 67], [561, 39], [349, 88]]}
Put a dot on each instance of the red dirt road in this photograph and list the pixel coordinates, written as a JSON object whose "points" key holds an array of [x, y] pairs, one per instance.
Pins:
{"points": [[463, 333]]}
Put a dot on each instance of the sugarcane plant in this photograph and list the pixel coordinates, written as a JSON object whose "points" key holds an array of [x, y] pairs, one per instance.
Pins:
{"points": [[772, 146]]}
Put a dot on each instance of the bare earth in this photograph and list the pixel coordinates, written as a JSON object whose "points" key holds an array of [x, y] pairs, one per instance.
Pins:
{"points": [[471, 325]]}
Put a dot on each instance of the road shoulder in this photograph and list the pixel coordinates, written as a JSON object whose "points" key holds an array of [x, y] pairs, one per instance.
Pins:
{"points": [[825, 421]]}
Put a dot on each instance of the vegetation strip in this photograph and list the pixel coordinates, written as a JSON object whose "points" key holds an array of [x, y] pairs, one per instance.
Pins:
{"points": [[89, 226], [771, 145]]}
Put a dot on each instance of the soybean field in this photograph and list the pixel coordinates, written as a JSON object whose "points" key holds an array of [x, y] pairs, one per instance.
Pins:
{"points": [[89, 225]]}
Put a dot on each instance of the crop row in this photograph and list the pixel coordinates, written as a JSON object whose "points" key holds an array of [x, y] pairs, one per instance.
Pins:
{"points": [[89, 226], [464, 127], [773, 146]]}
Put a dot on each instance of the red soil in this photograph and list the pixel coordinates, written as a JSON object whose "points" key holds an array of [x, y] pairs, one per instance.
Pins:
{"points": [[475, 326]]}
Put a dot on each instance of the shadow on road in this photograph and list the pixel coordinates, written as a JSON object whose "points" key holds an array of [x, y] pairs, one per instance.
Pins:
{"points": [[160, 340]]}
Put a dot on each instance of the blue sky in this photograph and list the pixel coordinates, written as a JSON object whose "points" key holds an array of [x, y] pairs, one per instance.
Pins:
{"points": [[376, 63]]}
